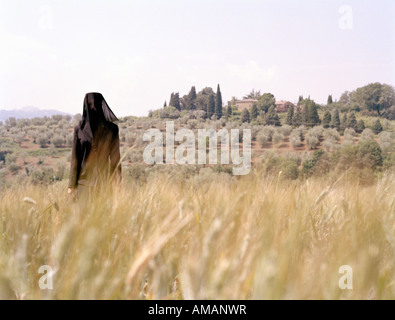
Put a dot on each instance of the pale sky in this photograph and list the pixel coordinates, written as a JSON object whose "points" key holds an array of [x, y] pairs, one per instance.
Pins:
{"points": [[136, 52]]}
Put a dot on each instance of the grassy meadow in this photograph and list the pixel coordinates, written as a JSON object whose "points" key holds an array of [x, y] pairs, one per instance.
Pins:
{"points": [[206, 237]]}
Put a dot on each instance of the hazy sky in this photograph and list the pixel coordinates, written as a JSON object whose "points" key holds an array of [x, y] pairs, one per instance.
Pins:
{"points": [[137, 52]]}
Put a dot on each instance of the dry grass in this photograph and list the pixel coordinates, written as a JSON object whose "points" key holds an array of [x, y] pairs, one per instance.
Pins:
{"points": [[219, 238]]}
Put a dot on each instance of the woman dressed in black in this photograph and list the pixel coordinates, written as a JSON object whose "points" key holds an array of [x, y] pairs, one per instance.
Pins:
{"points": [[95, 155]]}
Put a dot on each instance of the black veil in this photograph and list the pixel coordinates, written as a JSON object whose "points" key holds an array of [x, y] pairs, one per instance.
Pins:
{"points": [[96, 111]]}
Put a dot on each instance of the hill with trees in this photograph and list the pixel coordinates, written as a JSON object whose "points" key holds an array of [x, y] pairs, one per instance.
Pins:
{"points": [[38, 149]]}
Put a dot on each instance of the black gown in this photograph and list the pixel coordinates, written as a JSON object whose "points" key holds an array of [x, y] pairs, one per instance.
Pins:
{"points": [[95, 154]]}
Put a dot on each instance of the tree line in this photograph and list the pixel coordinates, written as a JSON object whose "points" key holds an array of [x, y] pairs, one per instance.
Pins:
{"points": [[206, 100], [375, 97]]}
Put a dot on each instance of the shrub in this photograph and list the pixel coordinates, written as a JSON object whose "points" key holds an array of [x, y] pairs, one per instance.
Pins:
{"points": [[370, 154], [285, 130], [288, 166], [290, 170], [295, 141], [367, 134], [131, 138], [385, 139], [367, 154], [69, 140], [332, 135], [348, 140], [311, 141], [43, 140], [254, 132], [273, 164], [33, 134], [268, 131], [44, 176], [60, 171], [313, 137], [350, 131], [330, 145], [277, 138], [317, 131], [308, 165], [57, 141], [23, 156], [387, 125], [349, 135], [169, 113], [47, 175], [193, 124], [19, 137], [14, 168], [298, 132], [263, 140], [10, 158], [390, 113], [389, 161], [200, 115]]}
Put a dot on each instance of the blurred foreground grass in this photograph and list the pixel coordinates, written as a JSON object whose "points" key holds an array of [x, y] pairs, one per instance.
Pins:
{"points": [[252, 237]]}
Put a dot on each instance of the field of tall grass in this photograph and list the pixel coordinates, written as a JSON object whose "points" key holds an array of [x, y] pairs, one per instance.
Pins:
{"points": [[207, 237]]}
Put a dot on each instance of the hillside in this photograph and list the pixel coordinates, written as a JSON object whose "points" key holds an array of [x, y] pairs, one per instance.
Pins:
{"points": [[39, 150]]}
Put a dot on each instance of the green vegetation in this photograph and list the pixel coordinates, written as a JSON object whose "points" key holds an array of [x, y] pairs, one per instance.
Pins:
{"points": [[198, 232], [245, 116], [218, 104]]}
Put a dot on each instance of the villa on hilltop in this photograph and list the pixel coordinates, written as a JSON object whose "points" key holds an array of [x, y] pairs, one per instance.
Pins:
{"points": [[282, 106], [245, 104]]}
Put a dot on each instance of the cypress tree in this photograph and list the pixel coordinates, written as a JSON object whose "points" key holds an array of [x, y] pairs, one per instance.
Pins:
{"points": [[210, 106], [352, 121], [326, 121], [171, 102], [176, 101], [344, 121], [165, 104], [290, 115], [254, 112], [330, 101], [245, 116], [272, 118], [305, 114], [218, 103], [360, 126], [230, 111], [297, 119], [191, 99], [377, 127], [335, 120], [312, 116]]}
